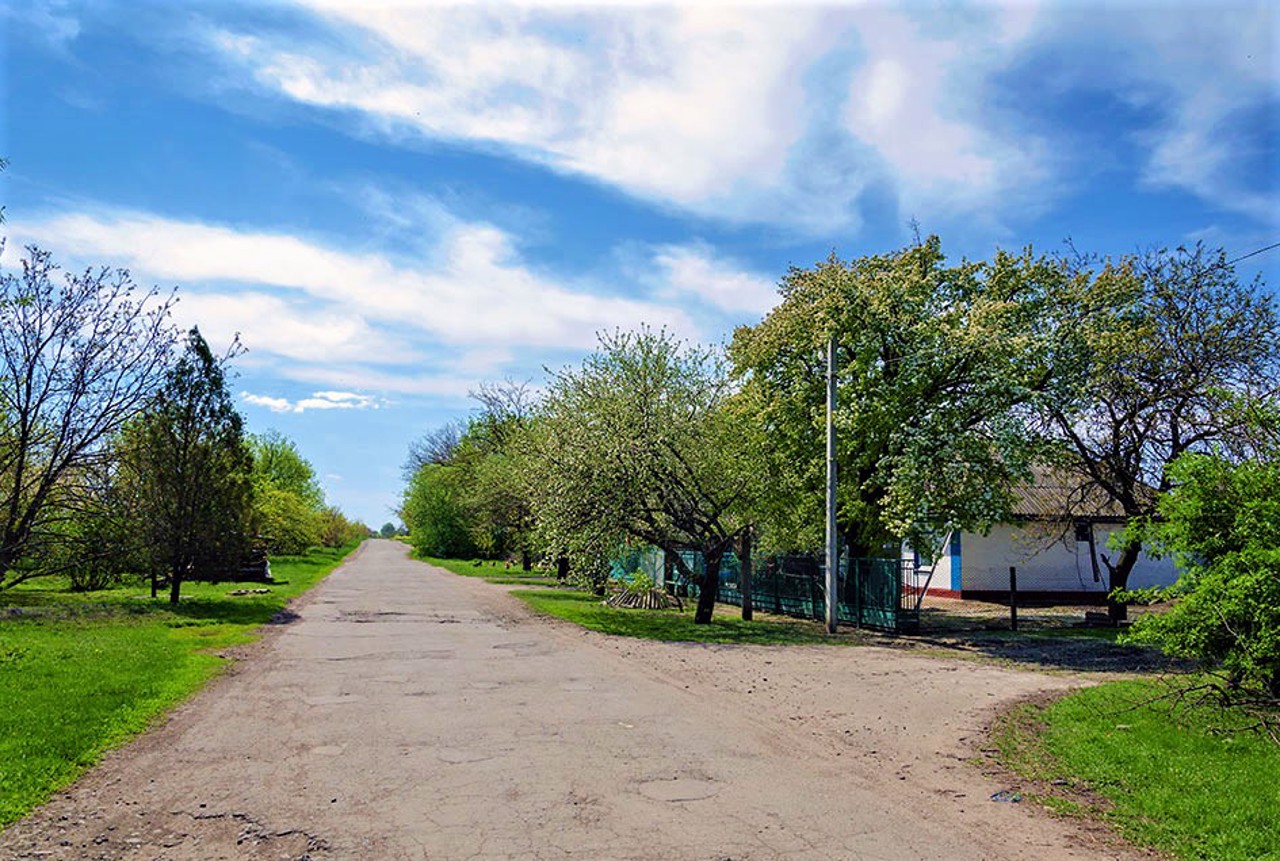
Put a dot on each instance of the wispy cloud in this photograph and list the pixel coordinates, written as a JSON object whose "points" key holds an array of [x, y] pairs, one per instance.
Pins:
{"points": [[475, 289], [315, 312], [657, 101], [697, 271], [789, 116], [917, 100], [1215, 72], [50, 20], [317, 401], [1196, 85]]}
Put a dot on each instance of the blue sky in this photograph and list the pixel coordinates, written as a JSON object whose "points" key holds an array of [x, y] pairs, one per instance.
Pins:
{"points": [[394, 202]]}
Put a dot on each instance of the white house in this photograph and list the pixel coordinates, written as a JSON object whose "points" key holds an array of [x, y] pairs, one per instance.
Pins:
{"points": [[1056, 548]]}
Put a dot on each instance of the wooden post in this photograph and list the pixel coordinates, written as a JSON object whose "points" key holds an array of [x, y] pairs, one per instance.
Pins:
{"points": [[833, 550], [744, 575], [1013, 598]]}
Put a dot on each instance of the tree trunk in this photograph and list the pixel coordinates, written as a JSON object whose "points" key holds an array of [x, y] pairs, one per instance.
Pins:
{"points": [[710, 588], [562, 568], [526, 560], [1119, 579], [856, 544], [175, 586], [744, 578], [155, 586]]}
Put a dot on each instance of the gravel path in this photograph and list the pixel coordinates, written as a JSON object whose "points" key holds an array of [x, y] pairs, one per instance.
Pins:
{"points": [[410, 713]]}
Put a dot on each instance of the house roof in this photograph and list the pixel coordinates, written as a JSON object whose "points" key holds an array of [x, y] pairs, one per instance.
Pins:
{"points": [[1058, 494]]}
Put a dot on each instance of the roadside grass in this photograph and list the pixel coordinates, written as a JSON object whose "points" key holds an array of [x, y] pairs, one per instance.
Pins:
{"points": [[726, 626], [81, 673], [1189, 781], [493, 571]]}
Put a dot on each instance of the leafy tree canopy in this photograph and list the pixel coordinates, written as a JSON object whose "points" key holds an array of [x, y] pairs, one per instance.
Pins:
{"points": [[938, 368], [639, 442], [278, 463], [1177, 360], [435, 515]]}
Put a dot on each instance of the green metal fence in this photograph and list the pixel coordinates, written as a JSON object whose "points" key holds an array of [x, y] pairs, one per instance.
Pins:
{"points": [[870, 592]]}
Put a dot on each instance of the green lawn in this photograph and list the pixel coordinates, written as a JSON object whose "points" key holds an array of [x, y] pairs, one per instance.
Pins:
{"points": [[1167, 779], [82, 673], [493, 571], [726, 627]]}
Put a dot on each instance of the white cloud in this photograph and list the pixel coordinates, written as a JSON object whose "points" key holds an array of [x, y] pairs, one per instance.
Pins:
{"points": [[699, 106], [697, 271], [781, 114], [423, 381], [917, 100], [294, 329], [1201, 77], [339, 304], [348, 321], [1207, 66], [276, 405], [48, 19], [317, 401]]}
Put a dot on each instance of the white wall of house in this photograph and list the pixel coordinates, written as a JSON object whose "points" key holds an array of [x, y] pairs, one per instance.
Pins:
{"points": [[941, 559], [1047, 561]]}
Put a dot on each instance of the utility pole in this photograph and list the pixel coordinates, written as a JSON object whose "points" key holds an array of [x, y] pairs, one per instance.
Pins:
{"points": [[833, 548]]}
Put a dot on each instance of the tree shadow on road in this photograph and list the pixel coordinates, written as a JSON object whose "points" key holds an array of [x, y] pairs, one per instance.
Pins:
{"points": [[1077, 652]]}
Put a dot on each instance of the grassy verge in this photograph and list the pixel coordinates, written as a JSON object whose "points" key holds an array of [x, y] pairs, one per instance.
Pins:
{"points": [[82, 673], [492, 571], [586, 610], [1166, 778]]}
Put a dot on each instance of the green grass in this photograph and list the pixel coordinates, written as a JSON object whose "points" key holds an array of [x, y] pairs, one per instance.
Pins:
{"points": [[493, 571], [587, 610], [1166, 778], [82, 673]]}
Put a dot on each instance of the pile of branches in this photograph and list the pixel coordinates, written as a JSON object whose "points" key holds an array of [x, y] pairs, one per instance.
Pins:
{"points": [[644, 599]]}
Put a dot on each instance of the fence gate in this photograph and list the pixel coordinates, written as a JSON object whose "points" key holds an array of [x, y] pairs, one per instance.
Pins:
{"points": [[871, 595]]}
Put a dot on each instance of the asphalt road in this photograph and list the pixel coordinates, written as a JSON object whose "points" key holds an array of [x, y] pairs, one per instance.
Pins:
{"points": [[409, 713]]}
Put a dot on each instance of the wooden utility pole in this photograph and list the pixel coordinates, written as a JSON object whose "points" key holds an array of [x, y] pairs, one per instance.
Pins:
{"points": [[833, 549]]}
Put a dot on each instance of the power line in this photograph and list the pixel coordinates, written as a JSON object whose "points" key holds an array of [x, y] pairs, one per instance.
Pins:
{"points": [[1253, 253]]}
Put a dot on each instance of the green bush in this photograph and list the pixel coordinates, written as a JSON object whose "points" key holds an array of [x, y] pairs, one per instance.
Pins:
{"points": [[1222, 524]]}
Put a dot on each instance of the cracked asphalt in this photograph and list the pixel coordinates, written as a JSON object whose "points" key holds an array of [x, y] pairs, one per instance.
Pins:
{"points": [[411, 714]]}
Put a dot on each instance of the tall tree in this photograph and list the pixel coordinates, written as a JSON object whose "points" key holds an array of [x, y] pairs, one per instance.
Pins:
{"points": [[80, 354], [288, 500], [435, 514], [1176, 358], [638, 442], [938, 368], [489, 456], [190, 463], [437, 446], [278, 463]]}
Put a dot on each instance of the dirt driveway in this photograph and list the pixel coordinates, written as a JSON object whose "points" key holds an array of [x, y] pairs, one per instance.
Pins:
{"points": [[410, 713]]}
